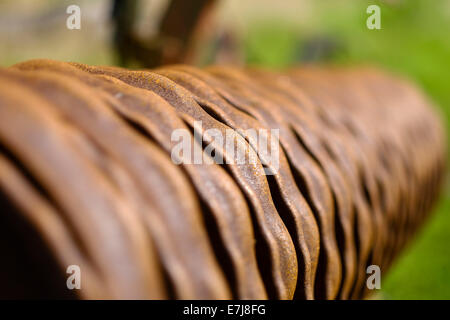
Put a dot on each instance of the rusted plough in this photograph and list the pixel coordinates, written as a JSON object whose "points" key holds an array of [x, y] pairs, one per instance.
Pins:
{"points": [[89, 177]]}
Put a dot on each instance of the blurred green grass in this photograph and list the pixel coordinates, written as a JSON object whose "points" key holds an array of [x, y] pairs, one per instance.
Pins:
{"points": [[414, 41]]}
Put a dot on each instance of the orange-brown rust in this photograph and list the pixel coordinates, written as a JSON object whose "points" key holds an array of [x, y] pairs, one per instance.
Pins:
{"points": [[85, 160]]}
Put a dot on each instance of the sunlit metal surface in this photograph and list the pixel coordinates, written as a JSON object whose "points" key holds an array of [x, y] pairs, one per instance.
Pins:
{"points": [[85, 161]]}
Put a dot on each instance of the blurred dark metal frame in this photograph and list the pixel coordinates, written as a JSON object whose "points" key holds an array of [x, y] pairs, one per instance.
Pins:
{"points": [[173, 40]]}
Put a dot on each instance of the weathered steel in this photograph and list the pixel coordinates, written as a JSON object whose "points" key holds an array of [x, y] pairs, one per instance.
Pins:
{"points": [[85, 167]]}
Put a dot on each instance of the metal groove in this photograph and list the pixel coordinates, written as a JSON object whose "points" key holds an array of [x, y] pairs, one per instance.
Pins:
{"points": [[86, 159]]}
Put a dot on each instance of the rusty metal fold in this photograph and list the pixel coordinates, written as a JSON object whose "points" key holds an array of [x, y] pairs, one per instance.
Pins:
{"points": [[87, 162]]}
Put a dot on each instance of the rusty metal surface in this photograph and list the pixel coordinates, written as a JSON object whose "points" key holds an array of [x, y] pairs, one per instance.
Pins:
{"points": [[85, 161]]}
